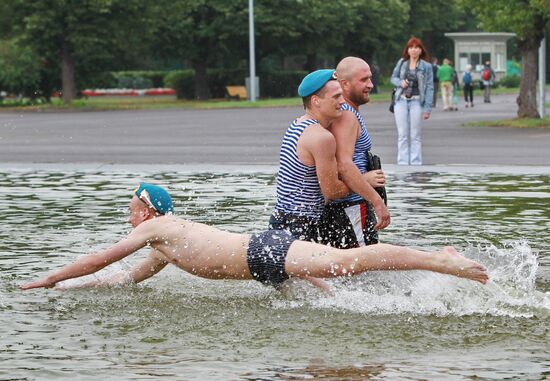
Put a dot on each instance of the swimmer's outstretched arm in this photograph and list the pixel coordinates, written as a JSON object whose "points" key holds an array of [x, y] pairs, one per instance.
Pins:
{"points": [[154, 263], [94, 262]]}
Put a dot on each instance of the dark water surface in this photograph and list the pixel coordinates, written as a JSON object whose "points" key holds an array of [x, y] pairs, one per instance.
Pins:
{"points": [[402, 325]]}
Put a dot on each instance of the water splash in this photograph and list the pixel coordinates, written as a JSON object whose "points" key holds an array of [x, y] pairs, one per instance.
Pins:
{"points": [[510, 292]]}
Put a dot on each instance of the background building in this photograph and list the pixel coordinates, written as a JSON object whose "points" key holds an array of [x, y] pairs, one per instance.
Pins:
{"points": [[478, 48]]}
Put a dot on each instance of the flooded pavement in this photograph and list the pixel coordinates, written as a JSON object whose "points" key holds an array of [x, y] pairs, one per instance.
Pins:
{"points": [[380, 325]]}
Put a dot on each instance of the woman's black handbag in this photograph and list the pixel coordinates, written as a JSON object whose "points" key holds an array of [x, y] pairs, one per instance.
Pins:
{"points": [[392, 103]]}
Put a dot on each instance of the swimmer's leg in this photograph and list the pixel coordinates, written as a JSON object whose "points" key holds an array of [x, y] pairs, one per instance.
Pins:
{"points": [[309, 259]]}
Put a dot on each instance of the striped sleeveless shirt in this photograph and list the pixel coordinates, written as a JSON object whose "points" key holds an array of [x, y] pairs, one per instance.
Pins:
{"points": [[298, 190], [362, 145]]}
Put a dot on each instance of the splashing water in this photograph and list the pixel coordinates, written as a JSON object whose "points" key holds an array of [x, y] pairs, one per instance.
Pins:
{"points": [[510, 291]]}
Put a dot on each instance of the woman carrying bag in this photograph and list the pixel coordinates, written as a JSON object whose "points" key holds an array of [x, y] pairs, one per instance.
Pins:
{"points": [[413, 81]]}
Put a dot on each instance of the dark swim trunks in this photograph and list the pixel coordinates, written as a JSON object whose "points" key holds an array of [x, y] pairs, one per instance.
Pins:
{"points": [[266, 256]]}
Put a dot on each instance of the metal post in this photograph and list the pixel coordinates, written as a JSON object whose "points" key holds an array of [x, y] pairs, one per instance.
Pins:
{"points": [[252, 54], [542, 77]]}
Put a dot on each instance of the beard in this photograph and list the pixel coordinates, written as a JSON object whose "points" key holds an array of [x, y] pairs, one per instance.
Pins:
{"points": [[359, 98]]}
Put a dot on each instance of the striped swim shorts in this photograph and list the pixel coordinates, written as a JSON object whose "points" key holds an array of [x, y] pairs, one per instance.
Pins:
{"points": [[266, 256]]}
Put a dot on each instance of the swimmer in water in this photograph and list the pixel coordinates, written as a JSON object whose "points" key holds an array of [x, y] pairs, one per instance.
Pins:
{"points": [[270, 257]]}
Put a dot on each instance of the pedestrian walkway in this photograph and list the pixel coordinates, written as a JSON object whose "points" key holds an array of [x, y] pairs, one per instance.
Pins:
{"points": [[251, 137]]}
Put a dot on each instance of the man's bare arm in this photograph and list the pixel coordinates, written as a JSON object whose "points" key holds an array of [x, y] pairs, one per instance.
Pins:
{"points": [[323, 151], [345, 130], [320, 284], [149, 267], [94, 262], [154, 263]]}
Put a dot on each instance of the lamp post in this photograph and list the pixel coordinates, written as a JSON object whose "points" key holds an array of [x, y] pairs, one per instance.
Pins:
{"points": [[252, 54], [542, 77]]}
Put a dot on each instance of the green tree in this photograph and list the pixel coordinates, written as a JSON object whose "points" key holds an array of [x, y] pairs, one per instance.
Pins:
{"points": [[430, 20], [528, 19], [312, 28], [23, 72], [275, 28], [378, 31], [82, 35], [205, 33]]}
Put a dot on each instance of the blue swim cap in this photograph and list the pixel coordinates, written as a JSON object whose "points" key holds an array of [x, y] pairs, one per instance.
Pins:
{"points": [[314, 81], [155, 197]]}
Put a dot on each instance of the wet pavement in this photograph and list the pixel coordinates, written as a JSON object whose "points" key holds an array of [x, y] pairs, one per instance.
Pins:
{"points": [[240, 137]]}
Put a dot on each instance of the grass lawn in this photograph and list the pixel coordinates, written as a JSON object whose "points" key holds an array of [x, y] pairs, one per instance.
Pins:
{"points": [[150, 103], [163, 102], [167, 102], [516, 123]]}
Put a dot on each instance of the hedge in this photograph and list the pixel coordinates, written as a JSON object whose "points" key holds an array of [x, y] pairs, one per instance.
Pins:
{"points": [[509, 81], [273, 83], [138, 79]]}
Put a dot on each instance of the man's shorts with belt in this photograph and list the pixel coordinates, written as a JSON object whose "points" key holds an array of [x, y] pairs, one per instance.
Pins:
{"points": [[348, 224]]}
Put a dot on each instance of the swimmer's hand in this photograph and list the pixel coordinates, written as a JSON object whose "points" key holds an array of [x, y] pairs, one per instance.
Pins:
{"points": [[41, 283], [320, 284]]}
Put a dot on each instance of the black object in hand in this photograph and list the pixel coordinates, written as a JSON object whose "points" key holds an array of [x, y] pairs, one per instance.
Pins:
{"points": [[373, 162]]}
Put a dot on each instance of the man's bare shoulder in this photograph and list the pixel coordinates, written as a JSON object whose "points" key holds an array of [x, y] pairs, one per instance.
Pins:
{"points": [[346, 121], [159, 227], [317, 134], [323, 143]]}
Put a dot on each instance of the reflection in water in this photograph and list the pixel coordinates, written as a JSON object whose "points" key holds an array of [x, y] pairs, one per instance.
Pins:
{"points": [[318, 370], [177, 326]]}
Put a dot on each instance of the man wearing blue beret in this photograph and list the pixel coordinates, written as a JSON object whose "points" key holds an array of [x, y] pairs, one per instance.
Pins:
{"points": [[354, 220], [308, 173]]}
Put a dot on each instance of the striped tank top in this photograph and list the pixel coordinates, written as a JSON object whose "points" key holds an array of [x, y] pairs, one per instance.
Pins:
{"points": [[298, 190], [362, 145]]}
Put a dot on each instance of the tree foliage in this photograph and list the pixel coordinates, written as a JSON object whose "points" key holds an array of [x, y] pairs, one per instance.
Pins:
{"points": [[528, 19], [78, 39], [81, 35], [21, 69], [206, 33]]}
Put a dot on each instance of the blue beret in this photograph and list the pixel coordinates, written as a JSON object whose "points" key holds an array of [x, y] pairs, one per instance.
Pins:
{"points": [[314, 81], [155, 197]]}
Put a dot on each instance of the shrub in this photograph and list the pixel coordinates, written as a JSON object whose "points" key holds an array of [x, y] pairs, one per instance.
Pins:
{"points": [[280, 83], [102, 80], [273, 83], [139, 79], [183, 82], [218, 79], [509, 81], [23, 72]]}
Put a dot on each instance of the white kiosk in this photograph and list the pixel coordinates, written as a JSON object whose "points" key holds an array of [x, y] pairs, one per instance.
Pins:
{"points": [[477, 48]]}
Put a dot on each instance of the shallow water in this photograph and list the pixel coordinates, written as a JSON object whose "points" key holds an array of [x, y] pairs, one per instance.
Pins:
{"points": [[406, 325]]}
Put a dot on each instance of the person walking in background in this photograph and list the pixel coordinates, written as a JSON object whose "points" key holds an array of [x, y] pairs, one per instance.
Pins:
{"points": [[413, 79], [467, 85], [488, 78], [445, 76], [435, 67], [456, 87]]}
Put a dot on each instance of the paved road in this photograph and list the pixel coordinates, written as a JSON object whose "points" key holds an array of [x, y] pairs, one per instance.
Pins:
{"points": [[250, 136]]}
